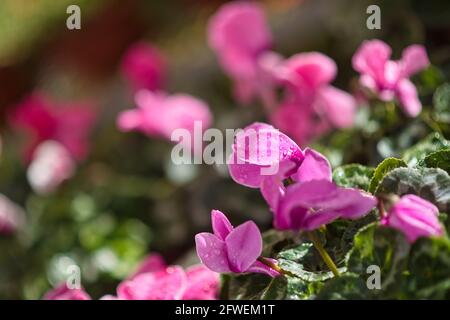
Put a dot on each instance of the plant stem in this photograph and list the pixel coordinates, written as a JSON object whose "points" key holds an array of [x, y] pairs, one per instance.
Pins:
{"points": [[323, 253]]}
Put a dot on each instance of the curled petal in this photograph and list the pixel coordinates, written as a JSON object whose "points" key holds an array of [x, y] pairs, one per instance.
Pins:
{"points": [[259, 267], [212, 252], [371, 57], [407, 94], [62, 292], [220, 224], [244, 246], [337, 105], [414, 59], [315, 166]]}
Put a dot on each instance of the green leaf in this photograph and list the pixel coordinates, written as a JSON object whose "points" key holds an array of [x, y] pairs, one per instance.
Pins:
{"points": [[274, 241], [353, 176], [276, 290], [296, 253], [438, 159], [384, 168], [384, 247], [441, 100], [244, 287], [429, 269], [432, 184], [298, 270], [431, 143], [347, 286]]}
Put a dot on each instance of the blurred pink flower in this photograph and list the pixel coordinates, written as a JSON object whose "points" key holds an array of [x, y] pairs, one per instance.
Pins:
{"points": [[144, 67], [51, 165], [231, 249], [62, 292], [154, 280], [12, 216], [388, 79], [311, 106], [415, 217], [158, 114], [240, 36], [42, 119]]}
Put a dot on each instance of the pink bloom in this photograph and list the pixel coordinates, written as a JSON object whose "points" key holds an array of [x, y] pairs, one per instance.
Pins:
{"points": [[308, 205], [388, 79], [62, 292], [154, 280], [143, 67], [311, 105], [240, 36], [231, 249], [158, 114], [43, 119], [12, 216], [51, 165], [415, 217], [260, 146]]}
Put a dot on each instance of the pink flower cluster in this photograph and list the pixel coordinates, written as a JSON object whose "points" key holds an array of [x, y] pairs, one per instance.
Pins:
{"points": [[154, 280], [58, 137], [157, 114], [310, 106]]}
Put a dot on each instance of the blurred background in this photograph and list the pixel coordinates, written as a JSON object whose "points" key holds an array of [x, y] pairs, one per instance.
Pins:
{"points": [[126, 197]]}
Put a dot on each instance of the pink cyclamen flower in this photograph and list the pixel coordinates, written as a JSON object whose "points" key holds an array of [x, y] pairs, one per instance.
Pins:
{"points": [[389, 79], [43, 119], [12, 217], [257, 147], [62, 292], [231, 249], [311, 106], [51, 165], [154, 280], [240, 36], [309, 205], [415, 217], [159, 115], [143, 67]]}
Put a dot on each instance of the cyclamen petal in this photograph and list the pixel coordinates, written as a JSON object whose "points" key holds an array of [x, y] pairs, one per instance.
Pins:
{"points": [[308, 205], [152, 263], [62, 292], [244, 246], [370, 58], [220, 224], [414, 59], [407, 94], [257, 148], [202, 284], [338, 106], [314, 167], [12, 217], [415, 217], [212, 252]]}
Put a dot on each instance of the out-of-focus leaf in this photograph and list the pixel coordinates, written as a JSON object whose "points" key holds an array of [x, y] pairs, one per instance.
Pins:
{"points": [[382, 169], [431, 143], [432, 184], [347, 286], [353, 176], [439, 159]]}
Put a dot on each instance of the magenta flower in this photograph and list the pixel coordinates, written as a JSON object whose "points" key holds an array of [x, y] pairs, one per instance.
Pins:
{"points": [[51, 165], [231, 249], [388, 79], [310, 98], [42, 119], [62, 292], [240, 36], [154, 280], [309, 205], [158, 114], [260, 146], [415, 217], [12, 216], [144, 67]]}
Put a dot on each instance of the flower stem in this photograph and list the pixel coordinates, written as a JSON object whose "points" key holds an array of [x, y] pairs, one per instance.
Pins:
{"points": [[323, 253], [273, 266]]}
